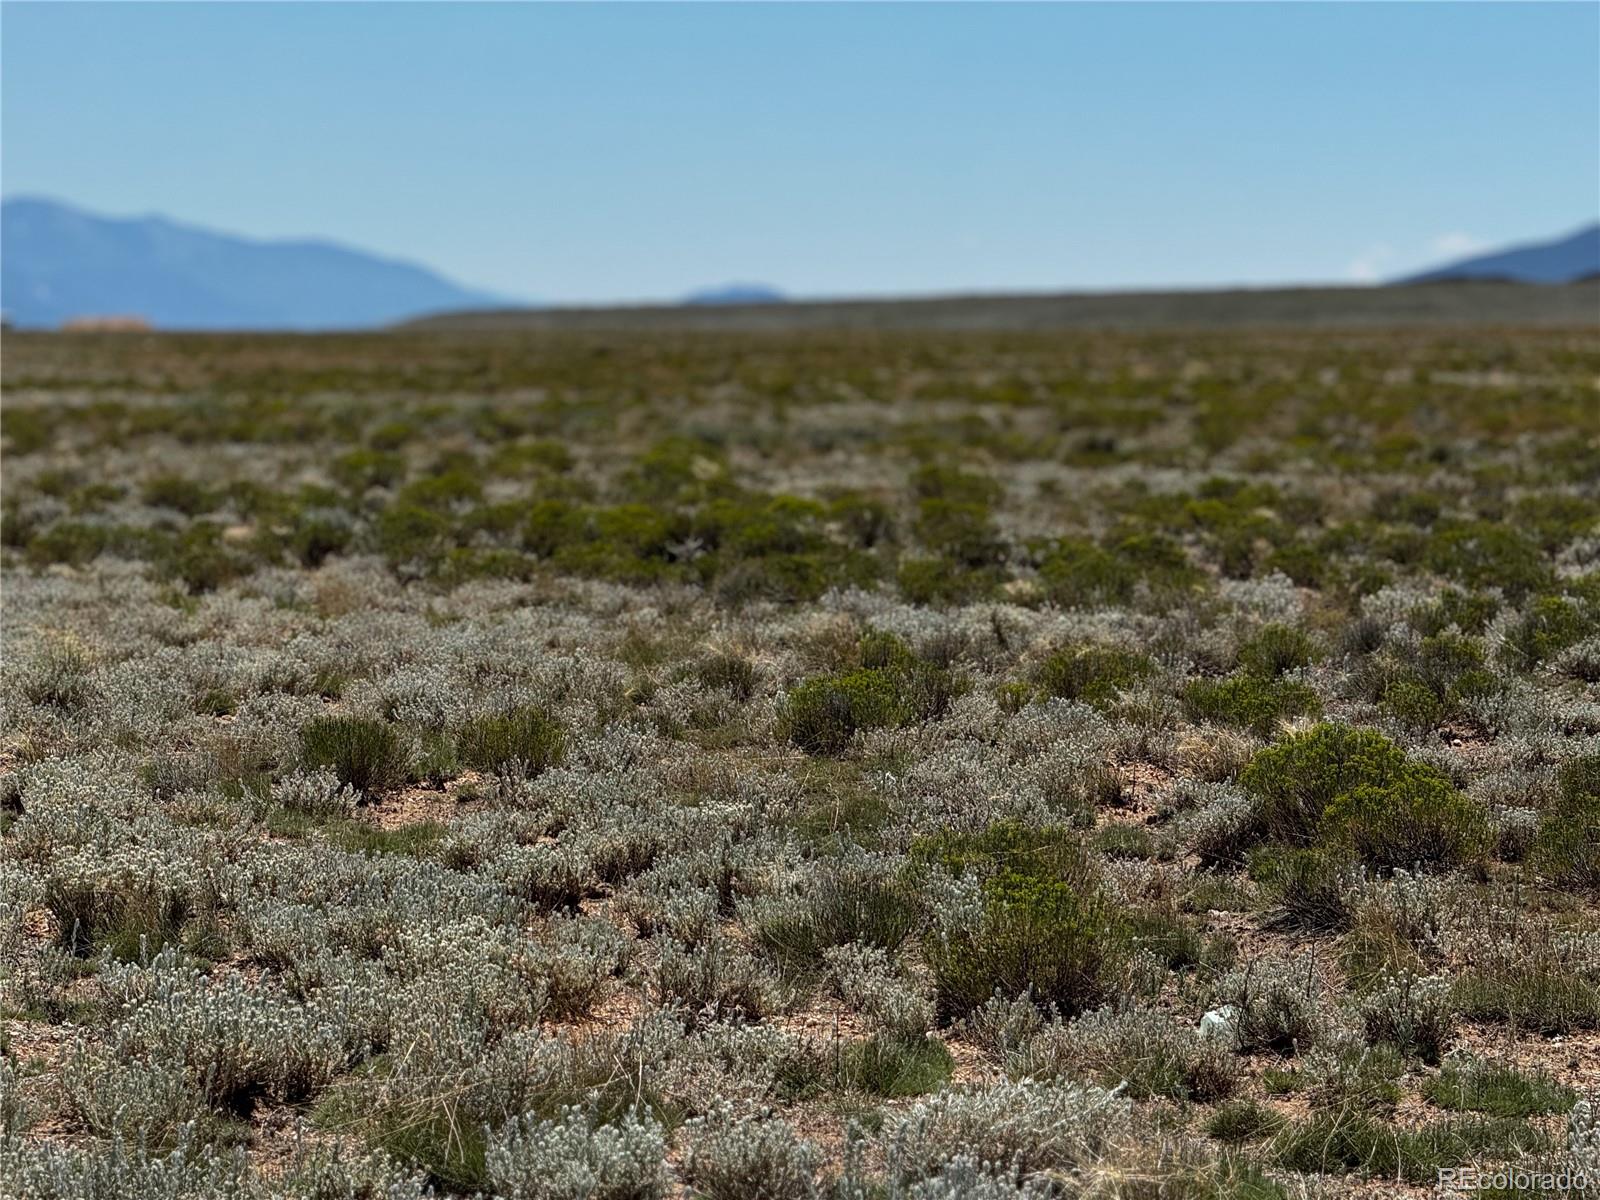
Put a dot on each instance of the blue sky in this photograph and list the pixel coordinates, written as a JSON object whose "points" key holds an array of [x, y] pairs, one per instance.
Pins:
{"points": [[607, 152]]}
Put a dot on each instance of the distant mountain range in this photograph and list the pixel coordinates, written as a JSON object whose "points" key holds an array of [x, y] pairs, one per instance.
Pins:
{"points": [[1564, 260], [58, 262]]}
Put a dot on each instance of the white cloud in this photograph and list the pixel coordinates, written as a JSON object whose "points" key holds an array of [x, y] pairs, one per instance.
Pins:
{"points": [[1453, 245], [1368, 266]]}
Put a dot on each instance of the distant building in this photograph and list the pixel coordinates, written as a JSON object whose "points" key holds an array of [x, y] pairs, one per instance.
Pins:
{"points": [[106, 325]]}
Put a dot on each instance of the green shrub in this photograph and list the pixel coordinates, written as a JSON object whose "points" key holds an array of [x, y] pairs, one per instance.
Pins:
{"points": [[1079, 574], [1470, 612], [1250, 702], [1413, 704], [1295, 782], [1409, 507], [1484, 555], [361, 469], [1275, 649], [822, 714], [1555, 519], [1039, 937], [1093, 674], [551, 525], [394, 435], [1548, 626], [29, 430], [1566, 850], [864, 521], [944, 581], [70, 542], [200, 558], [315, 538], [1446, 670], [367, 755], [1420, 818], [678, 468], [780, 578], [960, 532], [938, 482], [632, 543], [538, 454], [1355, 788], [754, 529], [1304, 562], [188, 496], [452, 489], [409, 533], [525, 740], [878, 650]]}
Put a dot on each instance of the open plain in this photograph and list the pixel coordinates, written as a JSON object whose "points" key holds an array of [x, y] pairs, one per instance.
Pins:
{"points": [[762, 761]]}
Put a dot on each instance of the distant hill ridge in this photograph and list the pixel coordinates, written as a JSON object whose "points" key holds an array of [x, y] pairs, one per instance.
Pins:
{"points": [[58, 263], [737, 293], [1447, 303]]}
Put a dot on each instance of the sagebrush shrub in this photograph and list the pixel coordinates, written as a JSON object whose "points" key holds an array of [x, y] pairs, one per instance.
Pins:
{"points": [[851, 899], [1145, 1053], [317, 793], [574, 1157], [1033, 1126], [1276, 1005], [753, 1157], [1413, 1013], [123, 1169], [718, 978]]}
